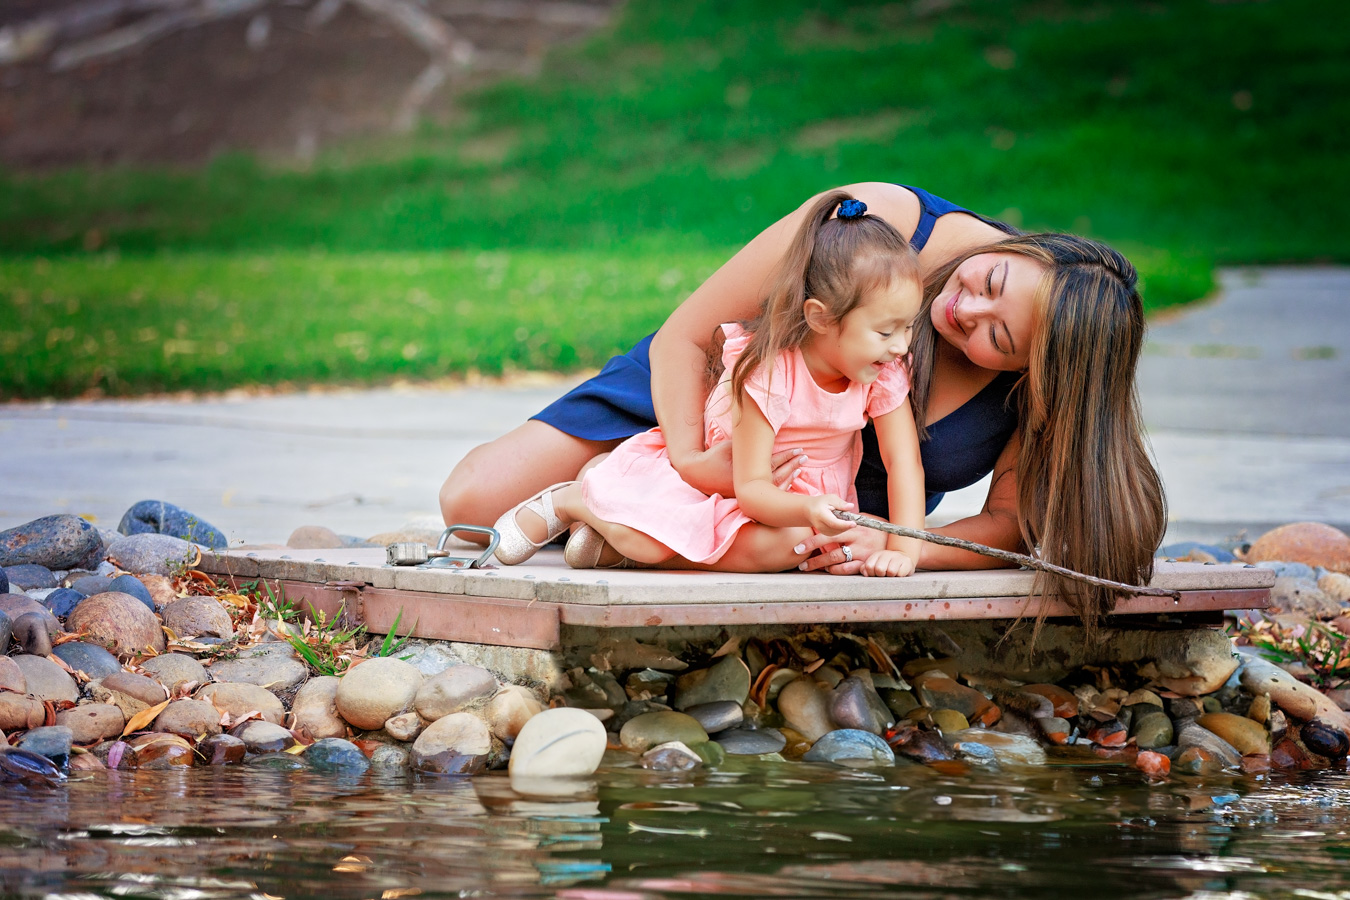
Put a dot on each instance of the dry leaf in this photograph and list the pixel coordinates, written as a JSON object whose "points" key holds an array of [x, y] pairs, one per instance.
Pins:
{"points": [[143, 718], [68, 637], [296, 749]]}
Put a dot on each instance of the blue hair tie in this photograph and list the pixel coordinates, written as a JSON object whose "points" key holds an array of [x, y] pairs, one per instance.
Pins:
{"points": [[852, 209]]}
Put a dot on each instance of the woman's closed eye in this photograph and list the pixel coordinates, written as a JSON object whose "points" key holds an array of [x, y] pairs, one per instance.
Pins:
{"points": [[993, 339]]}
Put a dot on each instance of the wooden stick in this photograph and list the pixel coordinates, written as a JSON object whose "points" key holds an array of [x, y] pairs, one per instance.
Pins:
{"points": [[1029, 562]]}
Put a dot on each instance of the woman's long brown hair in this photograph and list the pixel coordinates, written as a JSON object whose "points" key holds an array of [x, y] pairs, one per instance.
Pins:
{"points": [[1088, 495]]}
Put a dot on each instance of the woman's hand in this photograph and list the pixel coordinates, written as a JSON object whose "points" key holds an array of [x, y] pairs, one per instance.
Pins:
{"points": [[820, 513], [862, 543], [710, 470], [888, 563]]}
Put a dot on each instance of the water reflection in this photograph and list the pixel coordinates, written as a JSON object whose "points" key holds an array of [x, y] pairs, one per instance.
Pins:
{"points": [[754, 829]]}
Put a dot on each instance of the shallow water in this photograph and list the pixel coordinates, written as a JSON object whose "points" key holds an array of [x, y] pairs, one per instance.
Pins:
{"points": [[755, 829]]}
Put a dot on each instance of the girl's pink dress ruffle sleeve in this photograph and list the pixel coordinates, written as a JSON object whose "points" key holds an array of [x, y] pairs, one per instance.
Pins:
{"points": [[637, 486]]}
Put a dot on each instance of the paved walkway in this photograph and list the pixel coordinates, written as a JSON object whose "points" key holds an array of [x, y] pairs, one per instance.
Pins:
{"points": [[1247, 401]]}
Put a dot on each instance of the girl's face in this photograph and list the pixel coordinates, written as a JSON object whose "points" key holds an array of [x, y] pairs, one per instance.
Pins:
{"points": [[987, 309], [873, 334]]}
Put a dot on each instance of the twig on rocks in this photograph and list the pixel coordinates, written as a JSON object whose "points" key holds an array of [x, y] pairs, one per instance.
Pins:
{"points": [[1020, 559]]}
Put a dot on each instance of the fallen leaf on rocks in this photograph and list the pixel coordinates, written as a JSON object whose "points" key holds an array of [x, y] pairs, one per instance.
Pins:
{"points": [[68, 637], [185, 689], [227, 721], [234, 599], [142, 719], [296, 749]]}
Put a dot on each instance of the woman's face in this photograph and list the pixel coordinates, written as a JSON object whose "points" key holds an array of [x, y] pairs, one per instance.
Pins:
{"points": [[987, 309]]}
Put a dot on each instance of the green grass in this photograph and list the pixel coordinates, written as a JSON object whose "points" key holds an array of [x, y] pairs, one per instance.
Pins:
{"points": [[1189, 134]]}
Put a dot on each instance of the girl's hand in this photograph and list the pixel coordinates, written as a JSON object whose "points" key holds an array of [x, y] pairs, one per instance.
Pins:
{"points": [[888, 563], [820, 513], [863, 542], [710, 470]]}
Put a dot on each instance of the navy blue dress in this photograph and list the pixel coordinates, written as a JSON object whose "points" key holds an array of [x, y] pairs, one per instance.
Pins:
{"points": [[961, 448]]}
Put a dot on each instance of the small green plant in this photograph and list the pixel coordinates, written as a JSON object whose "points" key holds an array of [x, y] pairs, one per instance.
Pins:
{"points": [[1322, 649], [327, 644], [392, 643], [271, 604]]}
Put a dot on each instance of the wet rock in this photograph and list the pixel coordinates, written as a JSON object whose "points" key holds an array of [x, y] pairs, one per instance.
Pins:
{"points": [[153, 554], [158, 517], [277, 762], [6, 630], [456, 744], [856, 704], [645, 684], [828, 676], [922, 746], [853, 748], [1311, 543], [1153, 764], [377, 690], [558, 743], [263, 737], [160, 751], [453, 690], [30, 578], [1151, 728], [19, 712], [197, 617], [32, 633], [1259, 709], [944, 693], [1199, 761], [624, 655], [508, 712], [805, 705], [89, 585], [130, 584], [711, 752], [1336, 585], [1325, 740], [947, 720], [56, 542], [315, 708], [671, 757], [1242, 733], [1211, 704], [91, 659], [1008, 749], [52, 741], [1197, 736], [313, 537], [643, 732], [744, 742], [62, 602], [717, 716], [176, 669], [241, 699], [146, 690], [405, 727], [85, 762], [1112, 733], [1055, 729], [390, 758], [900, 702], [1142, 696], [272, 666], [221, 750], [189, 718], [119, 622], [46, 680], [1184, 707], [11, 676], [727, 679], [336, 755]]}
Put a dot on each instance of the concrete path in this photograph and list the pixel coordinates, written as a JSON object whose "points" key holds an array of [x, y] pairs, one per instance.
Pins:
{"points": [[1247, 400]]}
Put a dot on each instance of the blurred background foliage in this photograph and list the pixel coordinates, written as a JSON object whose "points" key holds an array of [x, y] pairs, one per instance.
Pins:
{"points": [[557, 218]]}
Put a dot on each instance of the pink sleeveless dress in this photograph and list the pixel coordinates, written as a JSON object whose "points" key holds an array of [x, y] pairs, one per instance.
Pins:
{"points": [[637, 486]]}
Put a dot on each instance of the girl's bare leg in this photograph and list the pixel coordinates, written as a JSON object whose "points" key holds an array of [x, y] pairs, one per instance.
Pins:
{"points": [[496, 476], [757, 548], [628, 541]]}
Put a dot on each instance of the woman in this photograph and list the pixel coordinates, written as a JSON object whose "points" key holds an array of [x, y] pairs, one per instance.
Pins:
{"points": [[1024, 365]]}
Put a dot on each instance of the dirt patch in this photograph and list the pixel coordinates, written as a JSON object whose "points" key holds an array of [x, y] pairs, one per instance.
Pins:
{"points": [[279, 80]]}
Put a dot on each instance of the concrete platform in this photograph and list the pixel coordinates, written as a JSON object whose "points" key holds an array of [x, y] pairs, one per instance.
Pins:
{"points": [[530, 605]]}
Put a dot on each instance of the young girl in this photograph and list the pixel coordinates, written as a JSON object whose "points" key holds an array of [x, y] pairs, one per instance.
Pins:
{"points": [[825, 354]]}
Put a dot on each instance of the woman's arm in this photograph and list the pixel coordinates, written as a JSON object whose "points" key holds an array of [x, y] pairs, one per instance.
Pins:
{"points": [[995, 526], [898, 440]]}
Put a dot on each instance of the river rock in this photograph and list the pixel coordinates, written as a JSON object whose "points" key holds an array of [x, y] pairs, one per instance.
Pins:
{"points": [[1142, 696], [405, 727], [671, 757], [315, 708], [146, 690], [56, 542], [19, 712], [336, 755], [198, 617], [377, 690], [1008, 749], [4, 581], [221, 750], [945, 693], [1303, 597], [52, 741], [744, 742], [277, 762], [130, 584], [32, 633], [1312, 543], [6, 630], [241, 699], [158, 517], [272, 666], [626, 655], [856, 704], [851, 747], [1193, 735], [120, 622], [1336, 585], [1198, 664], [946, 720], [1150, 727], [159, 588], [717, 716], [558, 743], [390, 758], [1243, 734], [11, 676], [1194, 551], [91, 659], [1198, 761], [900, 702], [805, 705], [263, 737], [643, 732], [176, 669], [727, 679], [62, 602], [453, 690], [508, 712], [30, 578], [46, 680], [193, 719], [153, 554], [456, 744], [158, 751], [313, 537], [16, 605]]}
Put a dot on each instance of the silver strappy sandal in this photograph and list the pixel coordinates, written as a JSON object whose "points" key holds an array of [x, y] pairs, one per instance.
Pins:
{"points": [[516, 546], [585, 547]]}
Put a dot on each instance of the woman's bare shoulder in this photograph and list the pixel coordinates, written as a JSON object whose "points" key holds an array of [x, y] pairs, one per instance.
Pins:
{"points": [[897, 205]]}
